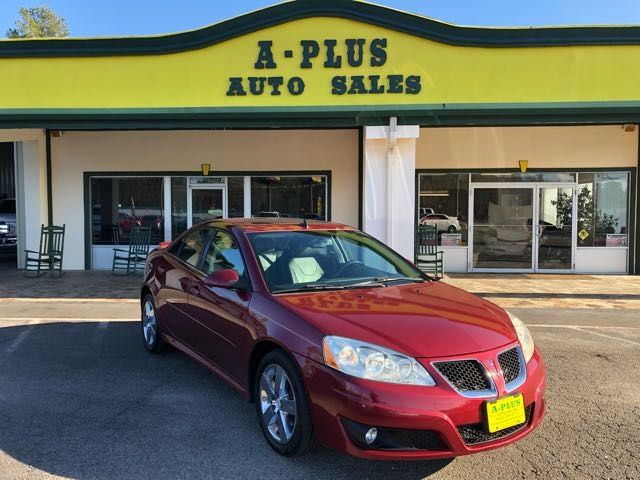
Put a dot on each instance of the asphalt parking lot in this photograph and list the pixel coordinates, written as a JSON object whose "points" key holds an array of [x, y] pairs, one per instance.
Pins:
{"points": [[80, 398]]}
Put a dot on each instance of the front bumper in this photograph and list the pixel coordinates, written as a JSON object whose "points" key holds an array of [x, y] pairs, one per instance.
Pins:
{"points": [[338, 400]]}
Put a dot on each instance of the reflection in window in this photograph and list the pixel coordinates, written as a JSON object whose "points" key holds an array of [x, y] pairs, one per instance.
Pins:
{"points": [[603, 200], [518, 177], [118, 204], [304, 197], [444, 203], [235, 197]]}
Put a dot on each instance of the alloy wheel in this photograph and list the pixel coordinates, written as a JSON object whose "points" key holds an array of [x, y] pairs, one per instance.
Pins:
{"points": [[149, 323], [278, 403]]}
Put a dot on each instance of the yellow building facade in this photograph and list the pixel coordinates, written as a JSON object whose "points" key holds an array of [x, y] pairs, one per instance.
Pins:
{"points": [[519, 145]]}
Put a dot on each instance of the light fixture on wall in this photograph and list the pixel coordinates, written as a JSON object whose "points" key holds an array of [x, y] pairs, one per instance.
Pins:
{"points": [[206, 168], [629, 127], [523, 165]]}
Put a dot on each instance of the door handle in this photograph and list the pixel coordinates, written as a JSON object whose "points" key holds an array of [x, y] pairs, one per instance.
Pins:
{"points": [[194, 290]]}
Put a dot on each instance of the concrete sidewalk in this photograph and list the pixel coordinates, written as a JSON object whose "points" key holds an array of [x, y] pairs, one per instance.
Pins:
{"points": [[553, 291], [507, 290]]}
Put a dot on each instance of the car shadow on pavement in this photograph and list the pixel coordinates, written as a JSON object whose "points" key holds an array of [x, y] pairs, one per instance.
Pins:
{"points": [[85, 400]]}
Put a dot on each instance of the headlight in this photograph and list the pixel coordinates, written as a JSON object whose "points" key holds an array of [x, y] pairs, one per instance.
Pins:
{"points": [[524, 336], [364, 360]]}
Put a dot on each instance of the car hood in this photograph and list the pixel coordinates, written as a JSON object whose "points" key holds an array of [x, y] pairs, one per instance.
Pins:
{"points": [[422, 320]]}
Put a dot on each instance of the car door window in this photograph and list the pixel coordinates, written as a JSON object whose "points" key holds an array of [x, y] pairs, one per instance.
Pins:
{"points": [[192, 246], [224, 253]]}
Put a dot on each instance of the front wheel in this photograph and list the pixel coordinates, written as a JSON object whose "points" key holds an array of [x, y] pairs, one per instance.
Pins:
{"points": [[451, 229], [149, 321], [282, 406]]}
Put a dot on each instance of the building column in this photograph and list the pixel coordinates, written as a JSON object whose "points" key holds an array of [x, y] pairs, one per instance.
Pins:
{"points": [[389, 185], [31, 186]]}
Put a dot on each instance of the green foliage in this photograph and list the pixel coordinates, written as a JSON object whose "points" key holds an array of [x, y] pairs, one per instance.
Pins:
{"points": [[38, 22], [596, 222]]}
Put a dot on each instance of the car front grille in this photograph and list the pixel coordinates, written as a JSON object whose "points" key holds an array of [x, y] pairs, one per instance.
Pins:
{"points": [[464, 375], [510, 364], [475, 433]]}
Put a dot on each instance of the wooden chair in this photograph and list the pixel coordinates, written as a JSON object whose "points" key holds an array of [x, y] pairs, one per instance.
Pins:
{"points": [[427, 256], [134, 258], [48, 258]]}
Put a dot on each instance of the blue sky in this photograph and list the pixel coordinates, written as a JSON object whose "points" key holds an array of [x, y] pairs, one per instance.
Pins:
{"points": [[144, 17]]}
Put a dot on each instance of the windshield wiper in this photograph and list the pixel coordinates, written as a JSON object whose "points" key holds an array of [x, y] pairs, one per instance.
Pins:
{"points": [[326, 286], [383, 280]]}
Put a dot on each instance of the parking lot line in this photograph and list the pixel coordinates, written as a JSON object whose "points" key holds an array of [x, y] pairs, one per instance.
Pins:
{"points": [[21, 336], [67, 319], [68, 300], [590, 330]]}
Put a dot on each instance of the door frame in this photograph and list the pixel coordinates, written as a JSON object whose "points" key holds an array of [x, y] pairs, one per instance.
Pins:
{"points": [[535, 237], [191, 188], [574, 227]]}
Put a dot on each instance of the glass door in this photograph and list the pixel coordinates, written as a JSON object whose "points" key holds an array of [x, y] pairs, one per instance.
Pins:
{"points": [[206, 203], [502, 234], [555, 231]]}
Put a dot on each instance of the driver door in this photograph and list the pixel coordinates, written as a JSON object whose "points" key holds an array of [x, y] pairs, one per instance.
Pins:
{"points": [[222, 311]]}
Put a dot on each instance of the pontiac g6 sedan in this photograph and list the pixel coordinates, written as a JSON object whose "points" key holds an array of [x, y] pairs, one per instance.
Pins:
{"points": [[341, 341]]}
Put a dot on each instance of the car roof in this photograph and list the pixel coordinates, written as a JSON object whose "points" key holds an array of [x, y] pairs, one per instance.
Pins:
{"points": [[267, 224]]}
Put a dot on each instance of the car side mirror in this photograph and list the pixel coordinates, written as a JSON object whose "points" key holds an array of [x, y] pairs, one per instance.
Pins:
{"points": [[224, 278]]}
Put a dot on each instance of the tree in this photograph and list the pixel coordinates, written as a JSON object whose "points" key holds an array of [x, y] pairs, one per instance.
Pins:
{"points": [[38, 22]]}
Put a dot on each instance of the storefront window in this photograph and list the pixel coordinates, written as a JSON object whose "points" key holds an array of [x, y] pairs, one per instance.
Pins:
{"points": [[603, 202], [444, 203], [289, 197], [119, 204], [235, 196], [178, 205], [533, 177]]}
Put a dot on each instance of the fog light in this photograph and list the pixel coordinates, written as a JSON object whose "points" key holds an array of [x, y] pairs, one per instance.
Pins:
{"points": [[371, 436]]}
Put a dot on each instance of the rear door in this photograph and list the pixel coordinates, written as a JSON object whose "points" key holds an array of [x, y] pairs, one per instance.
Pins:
{"points": [[221, 312]]}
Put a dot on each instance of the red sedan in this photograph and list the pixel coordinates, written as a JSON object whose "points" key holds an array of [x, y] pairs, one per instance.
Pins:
{"points": [[339, 340]]}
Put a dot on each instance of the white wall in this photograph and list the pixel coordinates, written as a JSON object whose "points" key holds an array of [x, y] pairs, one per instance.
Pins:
{"points": [[183, 151], [544, 147]]}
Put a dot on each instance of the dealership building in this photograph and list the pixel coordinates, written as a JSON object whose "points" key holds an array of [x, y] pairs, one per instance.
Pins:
{"points": [[520, 145]]}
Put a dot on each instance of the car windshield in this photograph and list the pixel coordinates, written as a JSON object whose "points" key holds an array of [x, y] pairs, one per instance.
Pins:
{"points": [[328, 260]]}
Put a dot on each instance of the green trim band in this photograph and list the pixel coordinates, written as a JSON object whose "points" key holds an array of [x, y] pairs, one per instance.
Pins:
{"points": [[432, 115], [295, 10]]}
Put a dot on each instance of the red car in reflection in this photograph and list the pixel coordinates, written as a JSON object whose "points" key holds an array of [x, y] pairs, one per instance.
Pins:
{"points": [[340, 341]]}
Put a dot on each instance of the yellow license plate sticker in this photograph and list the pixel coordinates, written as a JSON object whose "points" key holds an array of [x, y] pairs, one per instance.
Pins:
{"points": [[505, 412]]}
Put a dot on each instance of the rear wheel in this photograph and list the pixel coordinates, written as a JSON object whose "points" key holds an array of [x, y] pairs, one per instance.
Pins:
{"points": [[149, 322], [282, 406]]}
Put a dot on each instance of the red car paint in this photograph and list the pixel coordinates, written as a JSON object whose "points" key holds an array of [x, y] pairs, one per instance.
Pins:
{"points": [[225, 329]]}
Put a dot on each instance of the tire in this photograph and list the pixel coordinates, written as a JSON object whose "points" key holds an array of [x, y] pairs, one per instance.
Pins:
{"points": [[452, 229], [292, 412], [151, 338]]}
